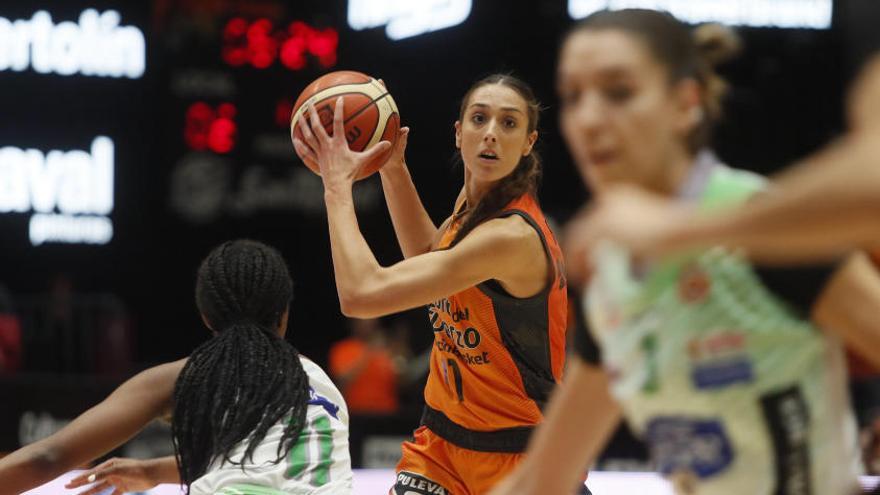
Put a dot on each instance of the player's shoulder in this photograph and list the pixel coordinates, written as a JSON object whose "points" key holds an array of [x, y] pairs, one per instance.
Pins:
{"points": [[311, 368], [318, 378], [161, 373], [323, 391], [509, 230]]}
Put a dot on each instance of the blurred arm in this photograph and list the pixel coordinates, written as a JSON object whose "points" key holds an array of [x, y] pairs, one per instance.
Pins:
{"points": [[505, 249], [99, 430], [849, 304], [580, 418], [827, 206]]}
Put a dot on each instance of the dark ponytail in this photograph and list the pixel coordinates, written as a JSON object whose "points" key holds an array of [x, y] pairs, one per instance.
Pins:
{"points": [[247, 378], [527, 174]]}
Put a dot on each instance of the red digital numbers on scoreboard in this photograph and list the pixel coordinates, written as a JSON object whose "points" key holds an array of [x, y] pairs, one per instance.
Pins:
{"points": [[283, 111], [211, 128], [260, 44]]}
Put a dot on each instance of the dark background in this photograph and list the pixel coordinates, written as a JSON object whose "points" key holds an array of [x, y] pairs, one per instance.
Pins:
{"points": [[173, 203]]}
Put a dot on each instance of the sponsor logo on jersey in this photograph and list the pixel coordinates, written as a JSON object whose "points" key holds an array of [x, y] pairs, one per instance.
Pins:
{"points": [[455, 313], [468, 358], [455, 335], [319, 400], [687, 445], [416, 484], [717, 345], [720, 360], [788, 422]]}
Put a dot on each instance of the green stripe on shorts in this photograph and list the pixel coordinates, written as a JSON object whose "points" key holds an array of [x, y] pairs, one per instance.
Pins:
{"points": [[248, 490]]}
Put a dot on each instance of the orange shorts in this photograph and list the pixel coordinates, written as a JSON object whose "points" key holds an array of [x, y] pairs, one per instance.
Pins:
{"points": [[432, 466]]}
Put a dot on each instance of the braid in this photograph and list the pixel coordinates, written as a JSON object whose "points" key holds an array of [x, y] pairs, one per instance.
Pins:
{"points": [[239, 384], [524, 178]]}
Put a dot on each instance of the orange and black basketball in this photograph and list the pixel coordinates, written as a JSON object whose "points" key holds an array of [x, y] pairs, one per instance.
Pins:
{"points": [[370, 116]]}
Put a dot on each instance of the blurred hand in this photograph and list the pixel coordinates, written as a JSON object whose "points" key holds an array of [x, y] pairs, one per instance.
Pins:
{"points": [[122, 475], [630, 217]]}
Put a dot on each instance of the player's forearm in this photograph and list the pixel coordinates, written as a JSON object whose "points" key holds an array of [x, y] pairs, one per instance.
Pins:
{"points": [[414, 228], [822, 207], [164, 470], [579, 419], [846, 170], [848, 307], [86, 438], [29, 467], [816, 210], [789, 224], [775, 232], [354, 264], [95, 432]]}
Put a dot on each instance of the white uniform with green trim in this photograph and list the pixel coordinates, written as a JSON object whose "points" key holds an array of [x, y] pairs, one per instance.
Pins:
{"points": [[318, 463], [733, 393]]}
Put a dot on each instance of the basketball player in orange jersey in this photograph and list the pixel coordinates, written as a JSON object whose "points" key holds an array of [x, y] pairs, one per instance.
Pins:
{"points": [[490, 275]]}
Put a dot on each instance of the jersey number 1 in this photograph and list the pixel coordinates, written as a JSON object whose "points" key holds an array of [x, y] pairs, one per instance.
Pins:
{"points": [[302, 464], [456, 376]]}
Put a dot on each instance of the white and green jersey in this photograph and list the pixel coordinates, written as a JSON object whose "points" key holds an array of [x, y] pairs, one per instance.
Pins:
{"points": [[318, 462], [732, 390]]}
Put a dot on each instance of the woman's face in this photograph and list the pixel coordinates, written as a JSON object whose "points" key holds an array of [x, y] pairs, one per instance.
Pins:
{"points": [[493, 134], [620, 116]]}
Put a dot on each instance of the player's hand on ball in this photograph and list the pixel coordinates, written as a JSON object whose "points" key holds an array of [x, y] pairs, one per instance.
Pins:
{"points": [[338, 164], [397, 158]]}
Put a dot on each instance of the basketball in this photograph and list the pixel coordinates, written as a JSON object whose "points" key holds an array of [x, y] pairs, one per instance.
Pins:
{"points": [[370, 116]]}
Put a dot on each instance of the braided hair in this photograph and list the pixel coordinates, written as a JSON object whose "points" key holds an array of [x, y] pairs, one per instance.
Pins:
{"points": [[524, 178], [247, 378]]}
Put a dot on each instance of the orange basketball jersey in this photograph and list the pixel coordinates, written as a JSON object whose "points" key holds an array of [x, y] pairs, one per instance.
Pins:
{"points": [[496, 357]]}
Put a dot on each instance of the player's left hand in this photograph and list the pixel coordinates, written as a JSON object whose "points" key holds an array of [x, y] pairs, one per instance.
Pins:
{"points": [[120, 475]]}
